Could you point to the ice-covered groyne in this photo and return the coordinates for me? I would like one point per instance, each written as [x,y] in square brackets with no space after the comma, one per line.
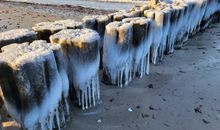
[141,43]
[120,15]
[17,36]
[46,29]
[117,53]
[171,25]
[33,84]
[35,77]
[80,49]
[97,23]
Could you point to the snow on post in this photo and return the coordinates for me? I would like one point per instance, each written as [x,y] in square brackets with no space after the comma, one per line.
[140,9]
[80,49]
[46,29]
[117,56]
[31,84]
[140,45]
[17,36]
[97,23]
[119,16]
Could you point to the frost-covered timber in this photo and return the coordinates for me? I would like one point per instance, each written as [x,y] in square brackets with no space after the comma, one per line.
[46,29]
[33,84]
[157,31]
[17,36]
[97,23]
[120,15]
[117,54]
[80,49]
[141,43]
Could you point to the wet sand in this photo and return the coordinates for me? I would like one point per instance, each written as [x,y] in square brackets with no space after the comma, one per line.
[181,93]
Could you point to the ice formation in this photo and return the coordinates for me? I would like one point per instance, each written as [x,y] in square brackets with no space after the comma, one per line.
[17,36]
[80,49]
[31,84]
[141,44]
[117,56]
[97,23]
[173,21]
[157,31]
[46,29]
[120,15]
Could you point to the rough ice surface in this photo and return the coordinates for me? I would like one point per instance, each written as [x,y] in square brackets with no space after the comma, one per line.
[97,23]
[17,36]
[120,15]
[46,29]
[141,44]
[117,54]
[31,84]
[157,17]
[80,49]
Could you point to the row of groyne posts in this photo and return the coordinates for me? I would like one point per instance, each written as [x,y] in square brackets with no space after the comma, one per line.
[42,67]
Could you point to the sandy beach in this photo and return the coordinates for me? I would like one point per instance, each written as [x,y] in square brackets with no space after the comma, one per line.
[25,15]
[181,92]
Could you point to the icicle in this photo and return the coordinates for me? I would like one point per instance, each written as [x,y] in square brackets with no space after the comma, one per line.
[57,119]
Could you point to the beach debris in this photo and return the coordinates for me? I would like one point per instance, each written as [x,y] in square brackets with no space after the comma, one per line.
[144,115]
[99,121]
[198,109]
[111,100]
[130,109]
[154,109]
[31,84]
[17,36]
[205,121]
[138,107]
[80,50]
[150,86]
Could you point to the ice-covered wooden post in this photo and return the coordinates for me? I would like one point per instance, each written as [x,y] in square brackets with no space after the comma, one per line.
[166,14]
[157,32]
[117,56]
[153,3]
[119,16]
[17,36]
[46,29]
[31,84]
[141,45]
[80,48]
[97,23]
